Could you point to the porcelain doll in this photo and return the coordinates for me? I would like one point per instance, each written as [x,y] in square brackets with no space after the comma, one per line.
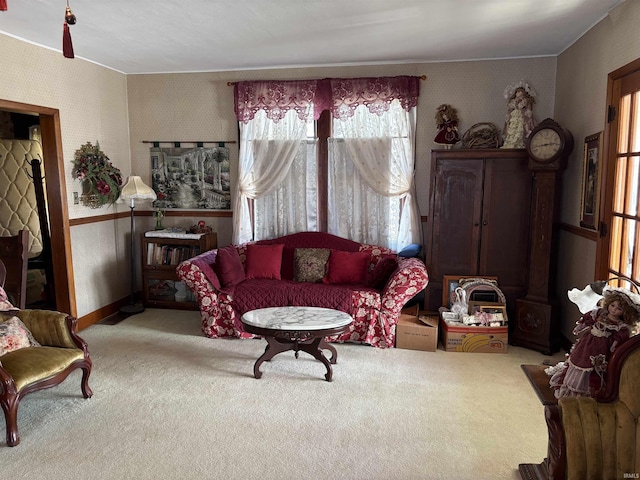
[519,120]
[599,333]
[447,124]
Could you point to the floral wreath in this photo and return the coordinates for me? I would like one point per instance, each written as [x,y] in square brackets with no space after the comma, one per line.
[522,84]
[92,167]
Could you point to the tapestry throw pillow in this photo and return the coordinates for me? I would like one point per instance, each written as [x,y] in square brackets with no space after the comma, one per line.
[382,271]
[15,335]
[264,261]
[347,267]
[228,267]
[310,264]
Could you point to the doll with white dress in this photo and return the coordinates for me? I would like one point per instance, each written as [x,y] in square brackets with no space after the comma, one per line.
[599,333]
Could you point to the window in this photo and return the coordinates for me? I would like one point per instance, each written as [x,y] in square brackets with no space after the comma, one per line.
[353,179]
[619,241]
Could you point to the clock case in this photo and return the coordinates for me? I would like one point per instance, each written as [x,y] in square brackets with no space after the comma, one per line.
[557,161]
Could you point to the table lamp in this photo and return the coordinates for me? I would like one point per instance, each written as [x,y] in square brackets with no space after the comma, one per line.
[134,189]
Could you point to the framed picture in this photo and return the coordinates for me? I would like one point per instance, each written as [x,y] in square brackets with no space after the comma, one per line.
[500,311]
[191,178]
[449,285]
[592,166]
[451,282]
[480,306]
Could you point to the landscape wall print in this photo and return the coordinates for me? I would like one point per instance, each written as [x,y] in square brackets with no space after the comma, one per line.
[191,178]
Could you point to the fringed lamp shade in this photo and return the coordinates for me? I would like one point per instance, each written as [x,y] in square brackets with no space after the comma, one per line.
[136,189]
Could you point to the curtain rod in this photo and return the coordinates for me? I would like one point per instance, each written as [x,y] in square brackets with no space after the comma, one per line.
[199,142]
[230,84]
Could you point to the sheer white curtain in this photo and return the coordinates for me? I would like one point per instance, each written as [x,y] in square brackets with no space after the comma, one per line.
[371,194]
[268,149]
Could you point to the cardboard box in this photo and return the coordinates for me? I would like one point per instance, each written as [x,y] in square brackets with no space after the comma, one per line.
[414,334]
[474,339]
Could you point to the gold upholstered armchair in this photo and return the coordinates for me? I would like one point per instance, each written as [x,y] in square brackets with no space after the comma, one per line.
[592,438]
[57,352]
[602,434]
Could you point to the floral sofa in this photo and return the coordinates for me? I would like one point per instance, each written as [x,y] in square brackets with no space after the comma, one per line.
[370,283]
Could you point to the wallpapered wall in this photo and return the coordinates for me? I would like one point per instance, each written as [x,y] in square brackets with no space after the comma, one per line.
[581,106]
[92,101]
[121,111]
[200,105]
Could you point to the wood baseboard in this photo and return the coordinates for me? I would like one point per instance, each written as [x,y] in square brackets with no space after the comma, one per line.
[104,312]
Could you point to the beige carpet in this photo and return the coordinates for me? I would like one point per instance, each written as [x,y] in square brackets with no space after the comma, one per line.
[170,403]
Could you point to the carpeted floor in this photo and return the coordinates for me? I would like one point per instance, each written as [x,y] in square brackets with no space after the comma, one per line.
[170,403]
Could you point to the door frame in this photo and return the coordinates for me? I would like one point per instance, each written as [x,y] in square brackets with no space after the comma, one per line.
[57,206]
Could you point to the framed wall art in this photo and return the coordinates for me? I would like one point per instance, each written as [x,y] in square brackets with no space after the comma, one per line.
[191,178]
[592,166]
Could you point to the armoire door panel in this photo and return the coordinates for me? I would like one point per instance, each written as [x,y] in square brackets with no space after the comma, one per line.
[504,245]
[456,218]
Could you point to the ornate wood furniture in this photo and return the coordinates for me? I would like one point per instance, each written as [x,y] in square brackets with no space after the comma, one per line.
[296,328]
[14,254]
[479,220]
[592,437]
[491,213]
[35,368]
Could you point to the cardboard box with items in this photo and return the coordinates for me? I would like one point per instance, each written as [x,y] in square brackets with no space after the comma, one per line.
[474,318]
[417,330]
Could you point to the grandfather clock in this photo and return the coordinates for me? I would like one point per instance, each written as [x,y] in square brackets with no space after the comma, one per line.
[537,323]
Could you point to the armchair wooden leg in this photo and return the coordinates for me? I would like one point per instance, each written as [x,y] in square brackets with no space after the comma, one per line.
[86,390]
[10,408]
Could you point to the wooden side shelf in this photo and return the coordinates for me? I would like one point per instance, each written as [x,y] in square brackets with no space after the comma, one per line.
[161,286]
[553,467]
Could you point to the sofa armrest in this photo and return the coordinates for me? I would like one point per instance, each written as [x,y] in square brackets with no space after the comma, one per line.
[409,279]
[52,329]
[197,274]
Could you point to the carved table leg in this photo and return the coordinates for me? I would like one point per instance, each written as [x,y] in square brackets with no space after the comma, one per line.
[324,345]
[313,348]
[274,347]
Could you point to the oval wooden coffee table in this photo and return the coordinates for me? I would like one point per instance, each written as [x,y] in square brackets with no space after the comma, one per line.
[298,329]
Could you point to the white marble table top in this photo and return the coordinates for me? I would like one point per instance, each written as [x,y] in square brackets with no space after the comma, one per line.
[296,318]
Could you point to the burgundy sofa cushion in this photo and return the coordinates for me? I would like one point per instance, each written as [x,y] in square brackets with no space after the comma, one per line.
[264,261]
[382,271]
[228,267]
[261,293]
[307,240]
[347,267]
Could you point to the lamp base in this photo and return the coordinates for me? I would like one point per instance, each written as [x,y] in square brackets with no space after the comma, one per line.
[132,309]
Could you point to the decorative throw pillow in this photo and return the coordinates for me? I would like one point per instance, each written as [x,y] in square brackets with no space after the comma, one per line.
[15,335]
[310,264]
[5,304]
[347,267]
[382,271]
[228,266]
[264,261]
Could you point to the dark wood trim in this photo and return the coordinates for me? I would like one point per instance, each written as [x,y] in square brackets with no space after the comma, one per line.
[579,231]
[147,213]
[323,133]
[104,312]
[56,200]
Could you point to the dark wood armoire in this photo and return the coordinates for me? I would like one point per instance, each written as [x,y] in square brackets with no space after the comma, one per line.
[482,222]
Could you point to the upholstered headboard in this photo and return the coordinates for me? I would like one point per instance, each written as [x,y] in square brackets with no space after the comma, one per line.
[18,206]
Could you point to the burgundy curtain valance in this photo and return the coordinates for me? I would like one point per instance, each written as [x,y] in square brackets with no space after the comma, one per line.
[339,95]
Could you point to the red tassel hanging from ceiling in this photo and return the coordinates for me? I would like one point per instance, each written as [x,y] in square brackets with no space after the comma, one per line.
[67,46]
[69,19]
[3,4]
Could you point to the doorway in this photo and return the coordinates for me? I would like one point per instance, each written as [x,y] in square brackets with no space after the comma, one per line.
[56,194]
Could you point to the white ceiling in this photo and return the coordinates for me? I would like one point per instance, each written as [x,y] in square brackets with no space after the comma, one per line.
[155,36]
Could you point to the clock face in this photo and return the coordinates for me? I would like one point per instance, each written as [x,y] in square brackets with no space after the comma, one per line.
[545,144]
